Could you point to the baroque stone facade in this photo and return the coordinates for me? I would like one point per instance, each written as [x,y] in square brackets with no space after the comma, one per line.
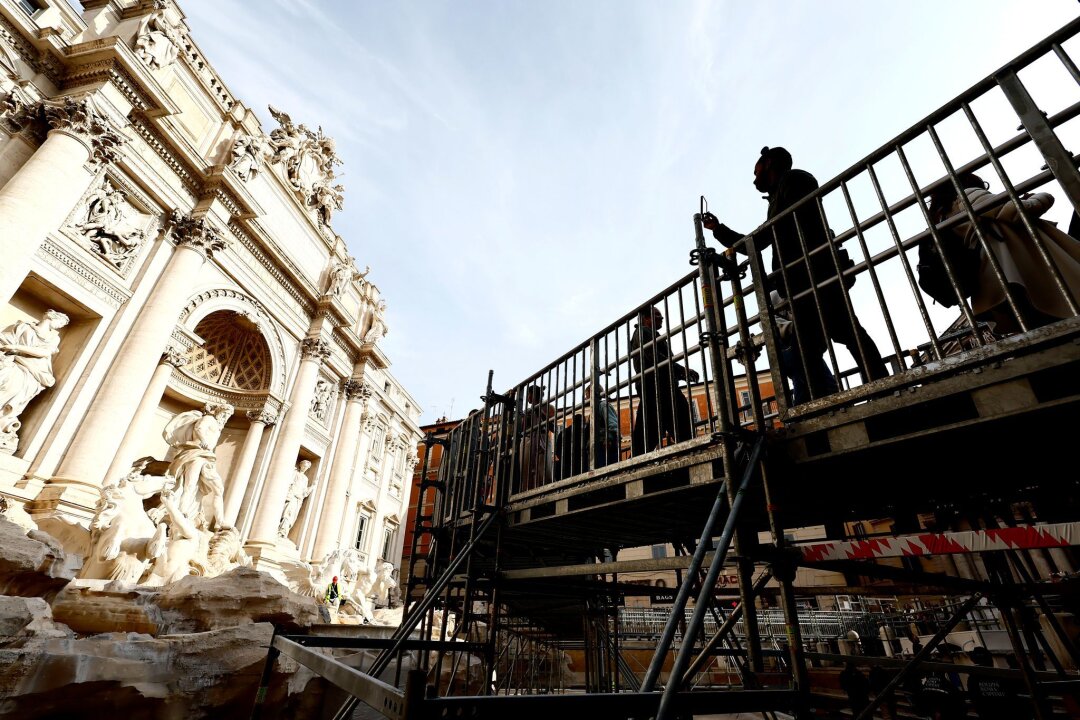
[215,394]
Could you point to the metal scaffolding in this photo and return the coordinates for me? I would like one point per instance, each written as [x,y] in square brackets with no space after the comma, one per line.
[678,423]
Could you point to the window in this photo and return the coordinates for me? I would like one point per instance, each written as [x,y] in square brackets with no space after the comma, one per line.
[399,463]
[388,542]
[377,444]
[744,402]
[30,7]
[362,523]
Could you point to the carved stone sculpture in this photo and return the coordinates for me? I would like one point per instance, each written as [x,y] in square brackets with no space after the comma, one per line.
[384,582]
[326,199]
[26,350]
[193,435]
[248,154]
[107,224]
[124,540]
[309,159]
[320,403]
[342,274]
[157,42]
[378,329]
[298,491]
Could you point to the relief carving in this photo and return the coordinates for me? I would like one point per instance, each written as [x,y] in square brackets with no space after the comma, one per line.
[110,225]
[309,159]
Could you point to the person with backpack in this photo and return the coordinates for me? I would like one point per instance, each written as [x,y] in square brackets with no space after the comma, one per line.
[1025,272]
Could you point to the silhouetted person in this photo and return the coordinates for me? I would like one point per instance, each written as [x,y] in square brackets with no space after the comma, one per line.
[995,698]
[857,687]
[1028,277]
[662,409]
[537,451]
[785,187]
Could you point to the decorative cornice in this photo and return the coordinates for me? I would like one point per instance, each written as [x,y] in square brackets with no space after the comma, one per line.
[60,256]
[81,118]
[197,233]
[302,299]
[189,177]
[314,347]
[42,62]
[109,70]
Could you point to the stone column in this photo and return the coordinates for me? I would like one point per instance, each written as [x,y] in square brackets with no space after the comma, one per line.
[37,199]
[95,444]
[327,535]
[136,431]
[245,463]
[280,475]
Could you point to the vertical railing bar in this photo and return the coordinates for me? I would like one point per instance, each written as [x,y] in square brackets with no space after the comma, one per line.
[912,282]
[871,269]
[1067,62]
[847,297]
[1058,159]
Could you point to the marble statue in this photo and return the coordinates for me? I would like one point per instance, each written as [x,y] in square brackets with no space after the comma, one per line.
[193,435]
[248,154]
[342,275]
[384,582]
[124,540]
[131,545]
[326,199]
[320,403]
[361,581]
[26,351]
[108,226]
[157,42]
[378,329]
[298,491]
[309,159]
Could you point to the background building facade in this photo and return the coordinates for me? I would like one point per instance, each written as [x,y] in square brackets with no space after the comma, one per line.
[192,254]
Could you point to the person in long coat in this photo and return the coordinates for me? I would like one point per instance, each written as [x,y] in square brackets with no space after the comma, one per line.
[1028,276]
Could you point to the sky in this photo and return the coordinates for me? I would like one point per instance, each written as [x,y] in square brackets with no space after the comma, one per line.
[520,173]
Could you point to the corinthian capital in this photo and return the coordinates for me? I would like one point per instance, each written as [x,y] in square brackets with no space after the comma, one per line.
[266,417]
[315,347]
[174,357]
[356,389]
[197,233]
[82,119]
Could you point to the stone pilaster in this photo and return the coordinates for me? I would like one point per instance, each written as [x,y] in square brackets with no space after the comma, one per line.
[136,431]
[37,199]
[271,504]
[245,463]
[326,538]
[94,446]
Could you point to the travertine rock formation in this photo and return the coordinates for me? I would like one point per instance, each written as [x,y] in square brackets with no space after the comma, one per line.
[32,564]
[201,675]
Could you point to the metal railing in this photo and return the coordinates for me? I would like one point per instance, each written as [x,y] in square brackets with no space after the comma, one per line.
[839,316]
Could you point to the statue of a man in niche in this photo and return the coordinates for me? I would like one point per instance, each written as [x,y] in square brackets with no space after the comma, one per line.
[26,351]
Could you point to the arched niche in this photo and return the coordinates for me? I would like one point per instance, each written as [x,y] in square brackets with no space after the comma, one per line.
[251,314]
